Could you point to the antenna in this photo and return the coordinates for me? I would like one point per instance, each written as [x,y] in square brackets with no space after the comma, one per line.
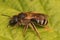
[5,15]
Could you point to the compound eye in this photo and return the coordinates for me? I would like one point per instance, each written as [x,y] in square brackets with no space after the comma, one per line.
[12,22]
[22,15]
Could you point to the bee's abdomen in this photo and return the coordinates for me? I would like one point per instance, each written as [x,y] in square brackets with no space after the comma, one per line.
[40,22]
[43,22]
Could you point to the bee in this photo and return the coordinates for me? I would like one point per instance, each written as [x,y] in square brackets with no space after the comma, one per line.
[28,19]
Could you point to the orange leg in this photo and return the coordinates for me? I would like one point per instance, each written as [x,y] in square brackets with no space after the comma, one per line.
[47,28]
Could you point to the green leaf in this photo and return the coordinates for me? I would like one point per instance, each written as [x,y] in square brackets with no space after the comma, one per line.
[13,7]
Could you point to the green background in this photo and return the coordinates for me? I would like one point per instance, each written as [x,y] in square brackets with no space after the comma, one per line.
[12,7]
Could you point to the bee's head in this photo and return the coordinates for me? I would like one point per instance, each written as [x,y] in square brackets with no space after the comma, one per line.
[13,21]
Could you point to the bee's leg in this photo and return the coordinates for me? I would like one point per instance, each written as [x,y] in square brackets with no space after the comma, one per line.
[25,29]
[34,29]
[47,28]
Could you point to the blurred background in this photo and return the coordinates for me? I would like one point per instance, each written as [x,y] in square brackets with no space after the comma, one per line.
[12,7]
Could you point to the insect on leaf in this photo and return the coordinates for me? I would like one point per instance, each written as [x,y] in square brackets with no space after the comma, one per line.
[13,7]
